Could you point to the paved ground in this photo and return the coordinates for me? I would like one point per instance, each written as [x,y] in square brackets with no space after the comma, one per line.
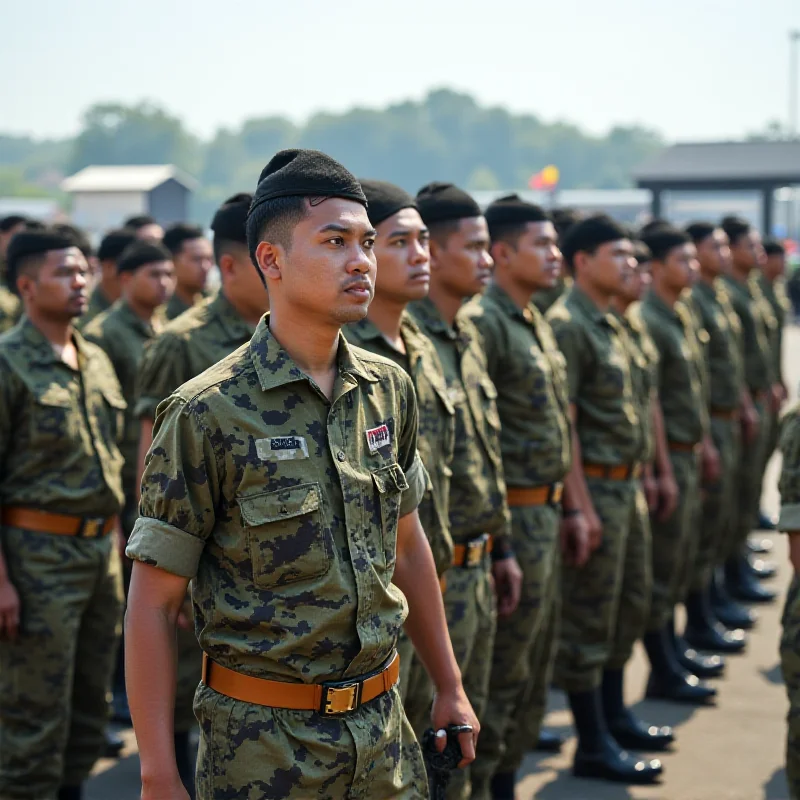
[731,752]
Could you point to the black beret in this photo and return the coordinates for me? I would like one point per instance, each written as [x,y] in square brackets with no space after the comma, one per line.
[441,202]
[305,173]
[29,243]
[230,221]
[513,210]
[114,243]
[385,199]
[589,234]
[141,253]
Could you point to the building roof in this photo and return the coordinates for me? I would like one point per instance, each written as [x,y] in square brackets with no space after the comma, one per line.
[720,162]
[133,178]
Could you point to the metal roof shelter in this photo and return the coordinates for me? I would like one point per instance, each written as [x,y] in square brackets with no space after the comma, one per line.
[719,166]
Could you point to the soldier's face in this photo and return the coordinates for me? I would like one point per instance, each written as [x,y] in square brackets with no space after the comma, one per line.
[681,266]
[713,252]
[329,271]
[243,286]
[150,233]
[151,285]
[536,260]
[747,251]
[193,264]
[775,266]
[637,282]
[462,264]
[58,288]
[608,268]
[402,250]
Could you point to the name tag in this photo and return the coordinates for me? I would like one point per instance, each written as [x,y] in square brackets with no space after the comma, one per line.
[282,448]
[378,438]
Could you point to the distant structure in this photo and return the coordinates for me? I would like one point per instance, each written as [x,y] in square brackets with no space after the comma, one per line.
[44,209]
[751,179]
[102,197]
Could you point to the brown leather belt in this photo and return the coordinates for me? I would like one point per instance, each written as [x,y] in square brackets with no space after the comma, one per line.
[330,699]
[538,496]
[683,447]
[725,413]
[613,472]
[471,554]
[62,524]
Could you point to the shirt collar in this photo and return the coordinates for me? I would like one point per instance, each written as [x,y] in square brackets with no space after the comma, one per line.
[655,302]
[586,305]
[234,326]
[429,318]
[41,350]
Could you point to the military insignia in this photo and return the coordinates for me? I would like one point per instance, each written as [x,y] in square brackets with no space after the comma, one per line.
[378,438]
[282,448]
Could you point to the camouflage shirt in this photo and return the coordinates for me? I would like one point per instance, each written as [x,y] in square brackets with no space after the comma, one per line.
[530,374]
[58,427]
[284,508]
[723,353]
[599,379]
[789,484]
[644,360]
[545,299]
[776,307]
[680,370]
[123,334]
[477,487]
[186,347]
[757,355]
[175,307]
[436,423]
[98,303]
[10,309]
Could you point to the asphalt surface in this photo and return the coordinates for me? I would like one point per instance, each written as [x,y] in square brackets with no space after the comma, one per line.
[733,751]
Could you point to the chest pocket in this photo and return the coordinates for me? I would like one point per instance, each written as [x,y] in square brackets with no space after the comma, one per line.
[112,413]
[390,483]
[489,397]
[54,418]
[285,535]
[609,377]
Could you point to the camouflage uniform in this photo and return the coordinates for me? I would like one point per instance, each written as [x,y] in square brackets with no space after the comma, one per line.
[725,368]
[609,431]
[758,379]
[530,374]
[435,444]
[790,640]
[98,304]
[58,431]
[123,335]
[175,306]
[477,500]
[292,549]
[10,309]
[545,299]
[186,347]
[683,404]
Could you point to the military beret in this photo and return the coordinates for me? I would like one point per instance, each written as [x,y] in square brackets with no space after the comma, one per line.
[589,234]
[141,253]
[230,221]
[114,243]
[442,202]
[513,210]
[28,243]
[385,199]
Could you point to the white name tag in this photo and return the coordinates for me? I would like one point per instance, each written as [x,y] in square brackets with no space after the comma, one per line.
[378,438]
[282,448]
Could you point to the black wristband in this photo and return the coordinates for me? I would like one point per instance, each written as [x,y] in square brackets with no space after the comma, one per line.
[571,512]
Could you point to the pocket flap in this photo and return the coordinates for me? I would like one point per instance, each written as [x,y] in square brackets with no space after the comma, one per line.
[267,507]
[113,397]
[390,479]
[489,388]
[54,395]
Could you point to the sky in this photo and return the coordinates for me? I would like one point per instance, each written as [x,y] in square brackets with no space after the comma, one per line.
[692,69]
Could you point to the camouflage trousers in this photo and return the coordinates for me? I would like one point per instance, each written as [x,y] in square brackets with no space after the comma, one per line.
[675,541]
[590,595]
[253,752]
[717,515]
[524,648]
[790,666]
[471,620]
[637,585]
[55,678]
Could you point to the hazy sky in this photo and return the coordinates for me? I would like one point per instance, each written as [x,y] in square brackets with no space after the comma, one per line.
[694,69]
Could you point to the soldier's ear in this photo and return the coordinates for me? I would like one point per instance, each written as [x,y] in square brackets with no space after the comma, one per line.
[271,259]
[499,253]
[434,253]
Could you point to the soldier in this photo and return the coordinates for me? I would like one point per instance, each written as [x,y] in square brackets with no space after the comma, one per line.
[186,347]
[60,491]
[731,414]
[108,289]
[286,485]
[527,368]
[145,227]
[600,488]
[479,519]
[193,258]
[563,219]
[748,303]
[789,522]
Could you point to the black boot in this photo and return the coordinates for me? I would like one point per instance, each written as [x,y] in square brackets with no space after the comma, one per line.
[668,679]
[759,568]
[71,792]
[549,742]
[704,666]
[185,760]
[622,722]
[502,786]
[730,613]
[598,755]
[742,585]
[705,632]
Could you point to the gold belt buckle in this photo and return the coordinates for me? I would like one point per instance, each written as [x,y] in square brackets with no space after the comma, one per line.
[91,527]
[556,493]
[340,699]
[475,551]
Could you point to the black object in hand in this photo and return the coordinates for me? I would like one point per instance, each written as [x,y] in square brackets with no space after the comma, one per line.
[440,765]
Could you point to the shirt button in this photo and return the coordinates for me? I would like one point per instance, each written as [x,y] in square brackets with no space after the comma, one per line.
[341,456]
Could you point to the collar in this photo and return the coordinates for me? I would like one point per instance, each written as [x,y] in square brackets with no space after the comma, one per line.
[234,326]
[500,297]
[586,305]
[133,319]
[40,349]
[656,303]
[429,318]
